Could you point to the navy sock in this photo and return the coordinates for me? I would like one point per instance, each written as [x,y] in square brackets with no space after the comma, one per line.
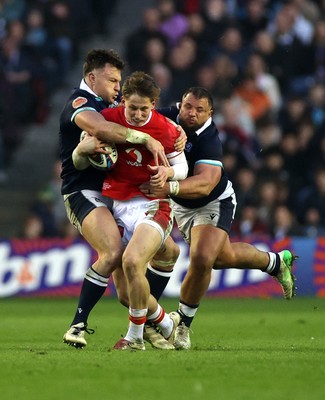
[89,296]
[158,281]
[190,310]
[276,268]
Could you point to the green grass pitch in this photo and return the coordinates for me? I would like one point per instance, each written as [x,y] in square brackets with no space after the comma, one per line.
[242,349]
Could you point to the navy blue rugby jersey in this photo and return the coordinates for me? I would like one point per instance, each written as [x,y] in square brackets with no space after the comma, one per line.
[69,136]
[205,146]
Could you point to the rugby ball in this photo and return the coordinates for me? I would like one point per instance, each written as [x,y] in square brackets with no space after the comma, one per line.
[103,162]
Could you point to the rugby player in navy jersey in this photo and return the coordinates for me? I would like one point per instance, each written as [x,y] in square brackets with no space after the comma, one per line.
[204,205]
[87,209]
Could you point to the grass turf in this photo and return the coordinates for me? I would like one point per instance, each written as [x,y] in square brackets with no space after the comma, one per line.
[241,349]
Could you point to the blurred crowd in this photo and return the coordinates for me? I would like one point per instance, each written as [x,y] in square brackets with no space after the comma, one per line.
[264,63]
[39,43]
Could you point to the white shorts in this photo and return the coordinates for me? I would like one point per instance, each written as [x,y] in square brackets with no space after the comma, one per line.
[130,213]
[219,213]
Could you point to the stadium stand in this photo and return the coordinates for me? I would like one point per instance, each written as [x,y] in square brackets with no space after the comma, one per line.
[24,177]
[262,60]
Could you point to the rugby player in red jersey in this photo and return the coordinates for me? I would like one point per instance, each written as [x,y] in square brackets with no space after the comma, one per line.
[144,223]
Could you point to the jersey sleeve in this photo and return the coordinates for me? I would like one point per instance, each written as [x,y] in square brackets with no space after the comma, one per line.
[210,149]
[81,103]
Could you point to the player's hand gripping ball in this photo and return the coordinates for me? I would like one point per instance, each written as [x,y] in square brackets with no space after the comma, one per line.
[101,161]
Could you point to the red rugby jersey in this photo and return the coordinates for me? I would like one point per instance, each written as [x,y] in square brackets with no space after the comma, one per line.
[130,170]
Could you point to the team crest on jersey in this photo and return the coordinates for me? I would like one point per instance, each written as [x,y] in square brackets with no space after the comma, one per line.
[79,101]
[136,157]
[188,146]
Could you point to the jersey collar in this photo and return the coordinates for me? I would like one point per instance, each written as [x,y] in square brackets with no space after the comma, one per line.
[83,86]
[207,123]
[203,127]
[145,123]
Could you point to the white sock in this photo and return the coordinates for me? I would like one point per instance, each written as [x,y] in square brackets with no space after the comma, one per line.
[163,320]
[137,318]
[186,310]
[271,264]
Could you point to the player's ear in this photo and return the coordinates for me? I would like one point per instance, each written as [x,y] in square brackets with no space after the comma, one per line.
[122,102]
[91,77]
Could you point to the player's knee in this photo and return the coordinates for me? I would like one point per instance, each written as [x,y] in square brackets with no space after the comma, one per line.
[131,264]
[109,261]
[202,262]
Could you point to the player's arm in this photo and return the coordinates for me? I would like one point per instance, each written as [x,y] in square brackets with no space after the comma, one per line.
[80,159]
[205,178]
[178,166]
[177,171]
[87,146]
[96,125]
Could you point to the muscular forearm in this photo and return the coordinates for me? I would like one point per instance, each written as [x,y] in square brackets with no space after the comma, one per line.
[183,189]
[201,183]
[80,161]
[193,188]
[96,125]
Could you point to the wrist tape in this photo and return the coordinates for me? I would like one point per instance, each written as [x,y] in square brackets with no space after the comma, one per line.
[136,137]
[173,188]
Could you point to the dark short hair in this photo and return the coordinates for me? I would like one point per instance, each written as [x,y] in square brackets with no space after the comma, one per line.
[199,93]
[142,84]
[98,58]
